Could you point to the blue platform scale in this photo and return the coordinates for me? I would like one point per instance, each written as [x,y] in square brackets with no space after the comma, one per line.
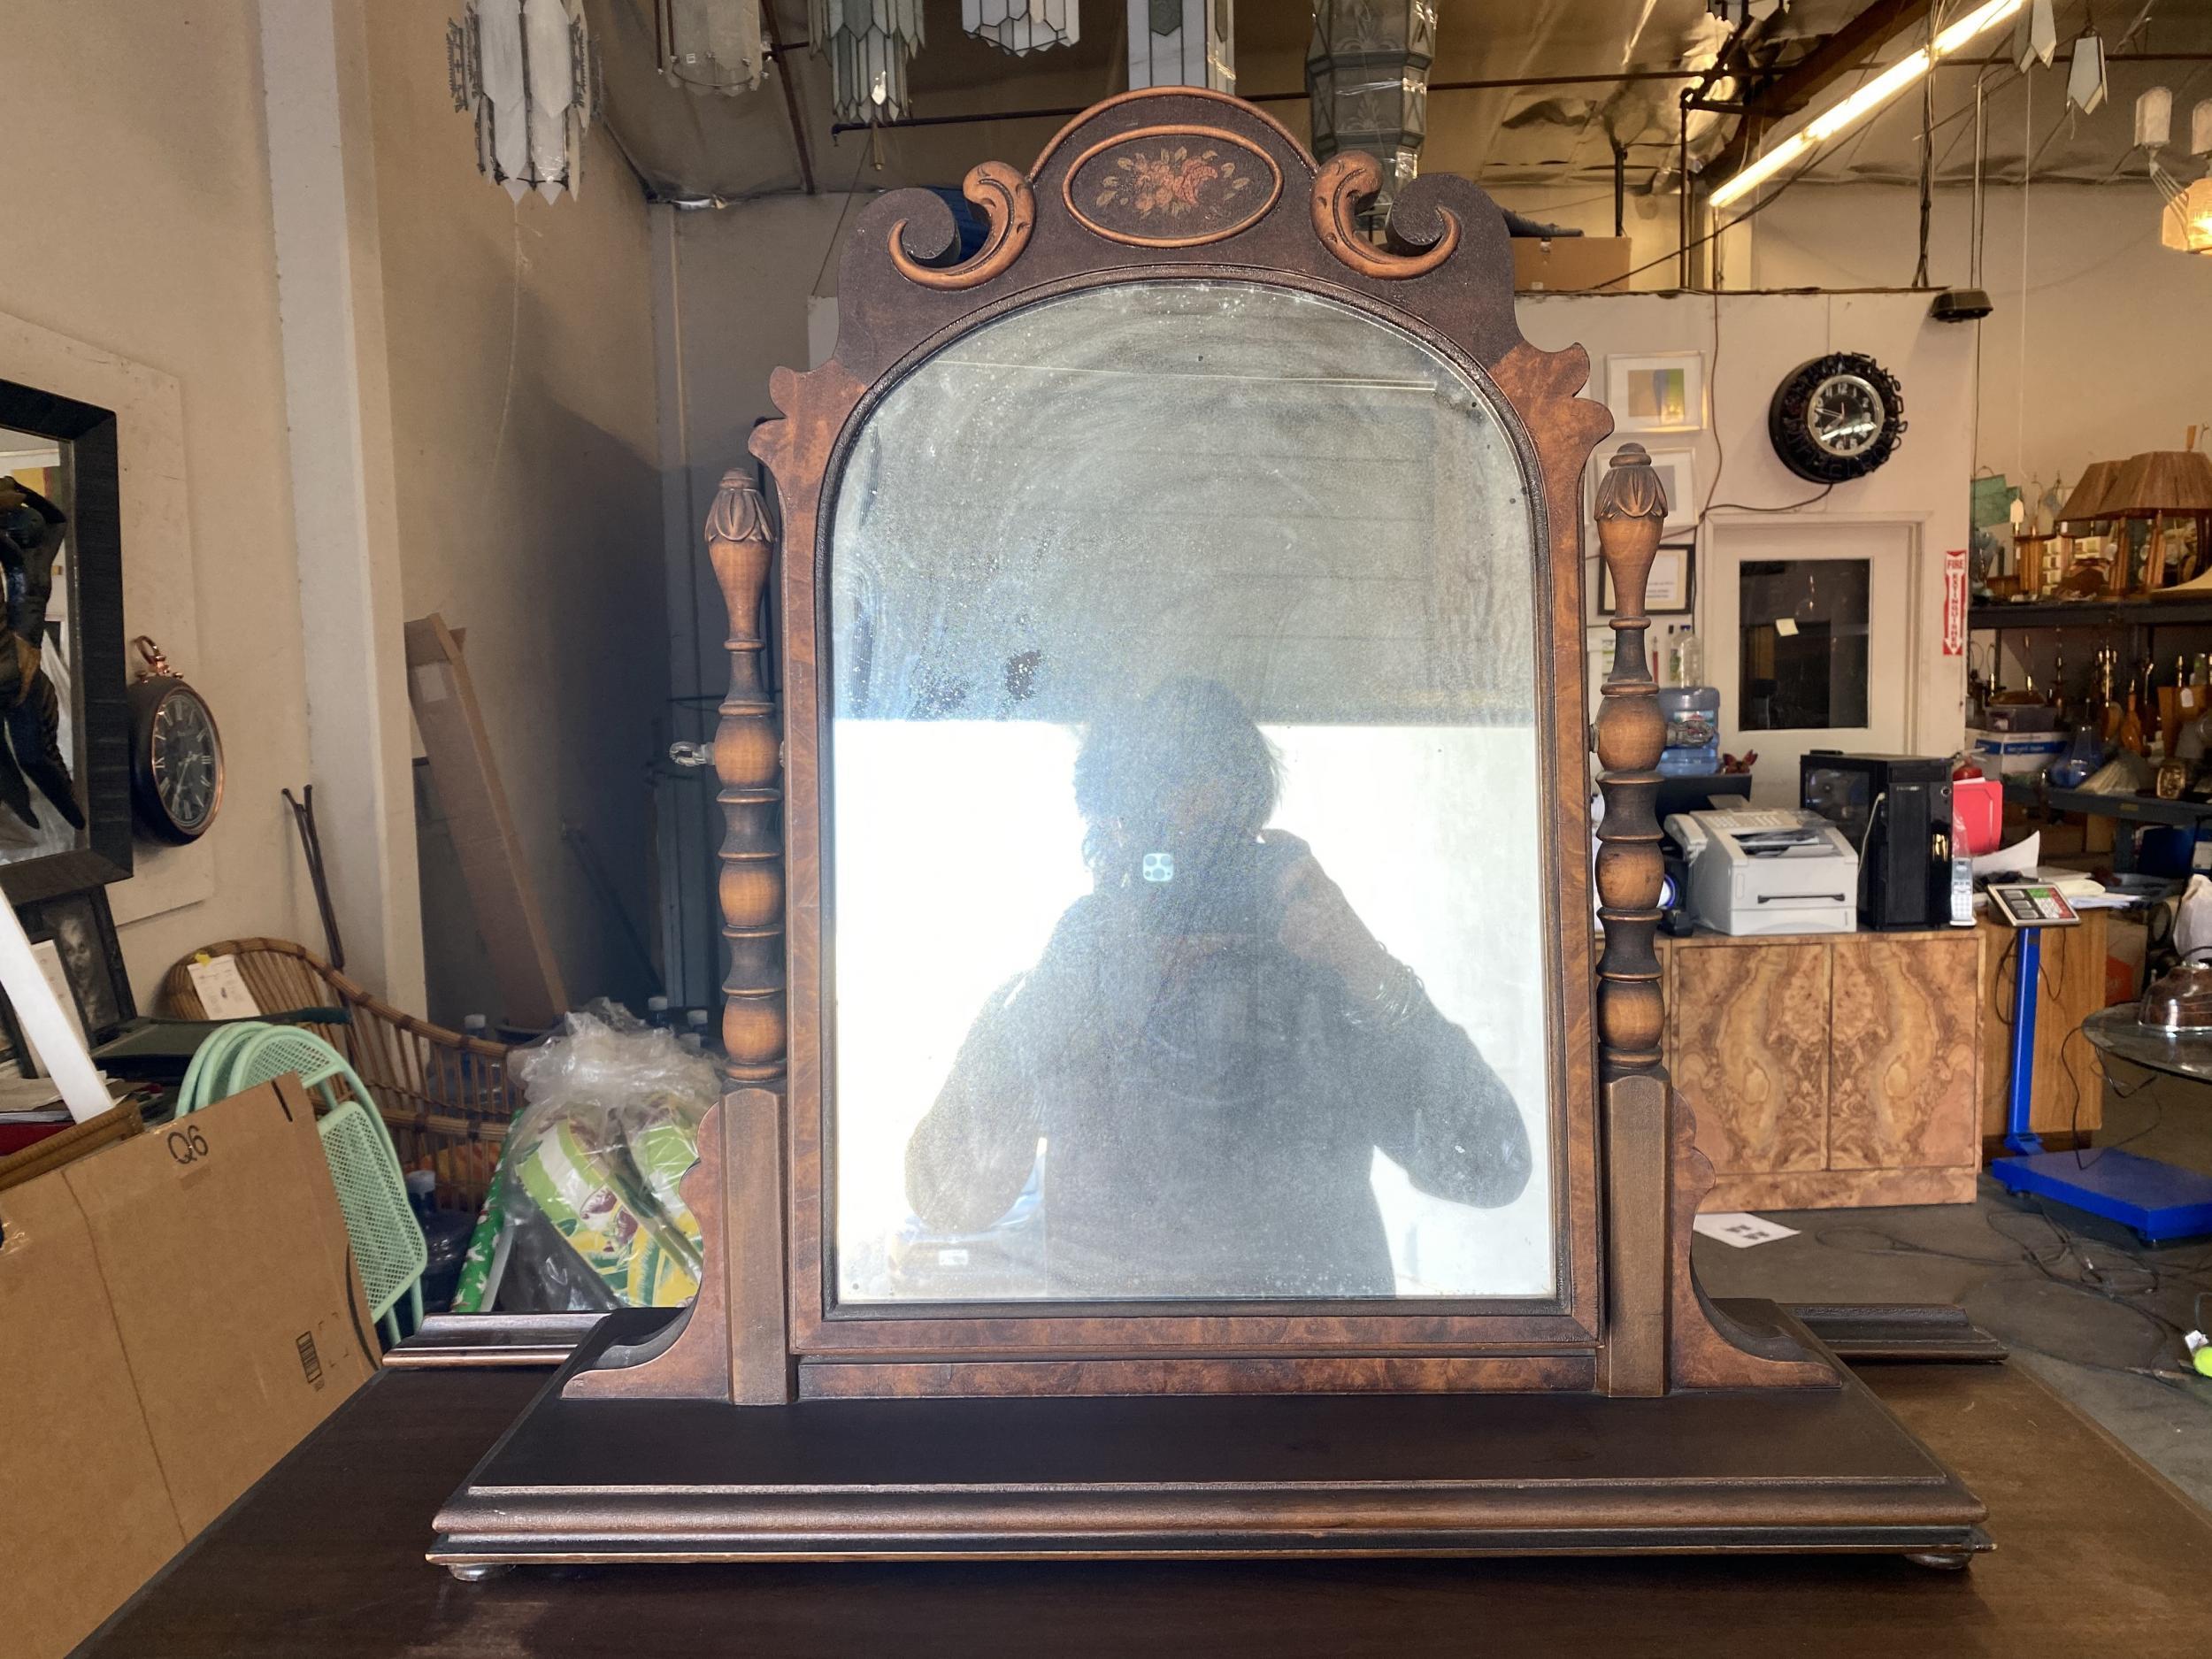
[2158,1200]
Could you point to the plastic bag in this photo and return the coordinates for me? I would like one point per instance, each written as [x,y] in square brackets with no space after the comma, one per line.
[2192,919]
[610,1127]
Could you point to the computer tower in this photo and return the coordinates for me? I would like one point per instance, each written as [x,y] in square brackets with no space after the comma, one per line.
[1896,810]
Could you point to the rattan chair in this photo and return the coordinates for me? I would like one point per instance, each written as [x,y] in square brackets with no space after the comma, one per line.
[444,1097]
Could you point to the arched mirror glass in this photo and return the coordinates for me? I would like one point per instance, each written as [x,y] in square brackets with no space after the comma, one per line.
[1183,851]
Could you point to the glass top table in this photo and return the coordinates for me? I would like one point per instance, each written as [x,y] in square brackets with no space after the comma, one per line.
[2117,1031]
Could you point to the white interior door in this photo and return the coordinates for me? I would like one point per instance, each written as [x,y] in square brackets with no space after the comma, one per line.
[1809,636]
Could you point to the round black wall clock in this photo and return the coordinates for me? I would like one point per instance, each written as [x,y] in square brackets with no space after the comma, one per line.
[176,754]
[1837,418]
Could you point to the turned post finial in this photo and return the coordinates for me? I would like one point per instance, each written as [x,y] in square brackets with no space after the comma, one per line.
[741,541]
[1628,733]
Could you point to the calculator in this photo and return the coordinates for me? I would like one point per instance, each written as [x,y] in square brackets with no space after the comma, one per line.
[2031,905]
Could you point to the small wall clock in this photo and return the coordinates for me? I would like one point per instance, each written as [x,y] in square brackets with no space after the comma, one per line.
[1837,418]
[176,753]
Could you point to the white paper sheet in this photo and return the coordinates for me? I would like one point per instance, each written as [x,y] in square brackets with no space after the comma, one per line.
[1733,1226]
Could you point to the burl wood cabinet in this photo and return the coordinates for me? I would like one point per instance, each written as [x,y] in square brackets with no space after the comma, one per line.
[1830,1071]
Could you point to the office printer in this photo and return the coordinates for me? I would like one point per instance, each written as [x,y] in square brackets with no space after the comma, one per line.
[1769,871]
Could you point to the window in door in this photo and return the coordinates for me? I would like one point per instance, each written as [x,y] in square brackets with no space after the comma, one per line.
[1803,643]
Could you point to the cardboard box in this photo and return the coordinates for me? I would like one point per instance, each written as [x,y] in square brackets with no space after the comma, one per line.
[2016,754]
[177,1311]
[1566,265]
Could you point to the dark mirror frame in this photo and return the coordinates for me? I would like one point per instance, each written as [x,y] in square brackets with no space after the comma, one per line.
[1288,1325]
[96,561]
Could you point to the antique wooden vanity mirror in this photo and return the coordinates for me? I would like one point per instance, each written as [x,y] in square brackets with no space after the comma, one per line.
[1205,1128]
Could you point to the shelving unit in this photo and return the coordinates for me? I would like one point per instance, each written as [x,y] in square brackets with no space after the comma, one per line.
[2129,812]
[2149,614]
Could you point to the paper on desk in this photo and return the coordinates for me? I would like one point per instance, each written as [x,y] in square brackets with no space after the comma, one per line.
[2019,859]
[1740,1230]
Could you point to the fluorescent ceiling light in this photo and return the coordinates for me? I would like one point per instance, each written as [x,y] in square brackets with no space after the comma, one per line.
[1834,122]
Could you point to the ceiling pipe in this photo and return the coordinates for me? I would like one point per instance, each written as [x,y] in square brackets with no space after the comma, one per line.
[785,78]
[1506,84]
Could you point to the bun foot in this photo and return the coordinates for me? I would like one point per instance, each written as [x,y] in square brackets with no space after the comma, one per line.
[1941,1560]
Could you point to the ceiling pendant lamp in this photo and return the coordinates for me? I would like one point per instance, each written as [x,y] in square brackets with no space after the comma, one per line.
[2185,222]
[710,45]
[528,73]
[1022,26]
[1182,43]
[1367,74]
[2086,81]
[2186,225]
[869,43]
[2035,35]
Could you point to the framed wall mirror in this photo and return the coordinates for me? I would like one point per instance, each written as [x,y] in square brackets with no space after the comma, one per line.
[65,779]
[1177,1102]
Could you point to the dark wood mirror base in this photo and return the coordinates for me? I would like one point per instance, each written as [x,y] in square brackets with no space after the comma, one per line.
[1758,1471]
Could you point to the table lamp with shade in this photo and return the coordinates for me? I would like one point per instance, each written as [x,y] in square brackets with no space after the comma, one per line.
[2167,489]
[2085,519]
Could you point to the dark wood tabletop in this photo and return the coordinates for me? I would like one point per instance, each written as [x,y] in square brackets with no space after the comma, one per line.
[2096,1554]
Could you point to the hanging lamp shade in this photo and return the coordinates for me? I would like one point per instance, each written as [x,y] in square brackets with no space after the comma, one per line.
[2088,501]
[2086,82]
[710,45]
[1182,43]
[528,72]
[2161,481]
[869,43]
[2034,35]
[1021,27]
[1367,74]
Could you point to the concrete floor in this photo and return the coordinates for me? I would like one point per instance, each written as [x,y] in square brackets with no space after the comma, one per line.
[2081,1301]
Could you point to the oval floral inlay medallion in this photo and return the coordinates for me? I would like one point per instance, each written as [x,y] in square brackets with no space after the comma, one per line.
[1172,187]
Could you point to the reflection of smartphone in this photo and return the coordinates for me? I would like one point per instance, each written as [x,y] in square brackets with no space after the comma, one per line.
[1228,889]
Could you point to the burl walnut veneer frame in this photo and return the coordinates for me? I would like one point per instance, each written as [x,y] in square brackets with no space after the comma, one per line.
[1627,1412]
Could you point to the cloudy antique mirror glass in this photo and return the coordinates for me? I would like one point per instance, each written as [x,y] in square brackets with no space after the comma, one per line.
[1185,831]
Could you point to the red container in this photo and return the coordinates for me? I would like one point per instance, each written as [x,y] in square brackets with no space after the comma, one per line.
[1978,815]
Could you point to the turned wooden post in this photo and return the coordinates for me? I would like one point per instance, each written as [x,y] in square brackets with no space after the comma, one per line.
[747,760]
[1631,506]
[732,1344]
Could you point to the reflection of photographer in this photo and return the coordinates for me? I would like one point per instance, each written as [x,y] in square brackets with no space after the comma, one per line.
[1212,1046]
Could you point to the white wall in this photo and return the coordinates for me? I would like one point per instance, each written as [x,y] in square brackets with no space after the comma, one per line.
[134,139]
[1750,342]
[525,456]
[2107,356]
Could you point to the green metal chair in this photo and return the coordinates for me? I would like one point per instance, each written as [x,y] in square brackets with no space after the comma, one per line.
[387,1239]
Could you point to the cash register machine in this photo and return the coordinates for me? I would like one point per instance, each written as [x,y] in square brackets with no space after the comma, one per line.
[1768,871]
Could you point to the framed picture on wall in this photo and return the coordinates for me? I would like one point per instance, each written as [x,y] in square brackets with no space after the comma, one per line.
[64,714]
[1678,475]
[1671,588]
[1664,392]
